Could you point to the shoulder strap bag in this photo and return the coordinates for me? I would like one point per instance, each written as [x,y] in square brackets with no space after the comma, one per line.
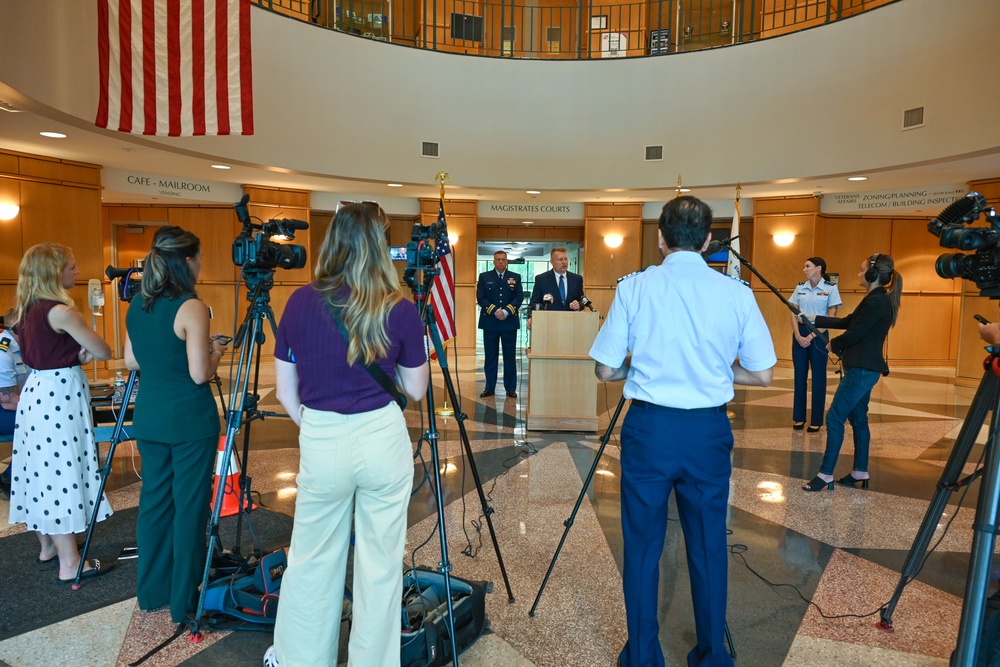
[373,369]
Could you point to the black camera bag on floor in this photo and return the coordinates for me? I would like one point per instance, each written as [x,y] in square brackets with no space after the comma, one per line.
[425,641]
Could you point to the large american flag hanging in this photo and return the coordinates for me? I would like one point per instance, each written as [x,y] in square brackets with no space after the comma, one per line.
[443,286]
[175,68]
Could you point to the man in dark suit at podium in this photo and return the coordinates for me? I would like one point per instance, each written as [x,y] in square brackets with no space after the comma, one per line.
[499,295]
[557,288]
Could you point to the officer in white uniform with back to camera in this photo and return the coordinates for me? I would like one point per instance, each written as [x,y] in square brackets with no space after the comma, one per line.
[685,325]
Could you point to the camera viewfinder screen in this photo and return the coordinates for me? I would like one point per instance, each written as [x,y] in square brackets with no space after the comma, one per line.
[397,253]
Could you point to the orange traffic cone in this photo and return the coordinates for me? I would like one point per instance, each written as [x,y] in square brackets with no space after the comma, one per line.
[231,496]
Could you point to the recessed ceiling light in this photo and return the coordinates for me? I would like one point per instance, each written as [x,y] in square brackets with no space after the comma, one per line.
[683,189]
[857,178]
[53,135]
[527,222]
[221,166]
[395,185]
[534,192]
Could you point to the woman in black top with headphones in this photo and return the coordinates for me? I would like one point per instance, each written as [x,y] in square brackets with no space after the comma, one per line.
[860,349]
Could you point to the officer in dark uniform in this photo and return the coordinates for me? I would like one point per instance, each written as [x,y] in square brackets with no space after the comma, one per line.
[499,295]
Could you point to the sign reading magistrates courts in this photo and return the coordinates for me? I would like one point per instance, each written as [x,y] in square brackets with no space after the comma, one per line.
[934,197]
[531,210]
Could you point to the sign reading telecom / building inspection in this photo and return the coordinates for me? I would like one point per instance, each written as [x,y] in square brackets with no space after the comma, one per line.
[934,197]
[172,187]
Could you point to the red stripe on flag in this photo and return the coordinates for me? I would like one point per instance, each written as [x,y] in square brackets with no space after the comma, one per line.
[246,69]
[125,64]
[148,67]
[198,66]
[173,68]
[104,62]
[222,64]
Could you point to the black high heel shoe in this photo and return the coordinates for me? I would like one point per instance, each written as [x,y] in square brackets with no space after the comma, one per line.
[817,484]
[852,481]
[813,429]
[798,426]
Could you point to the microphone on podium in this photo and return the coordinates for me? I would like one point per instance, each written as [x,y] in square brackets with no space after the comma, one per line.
[547,301]
[585,302]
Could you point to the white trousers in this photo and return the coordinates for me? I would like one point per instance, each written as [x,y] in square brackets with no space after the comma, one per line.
[349,463]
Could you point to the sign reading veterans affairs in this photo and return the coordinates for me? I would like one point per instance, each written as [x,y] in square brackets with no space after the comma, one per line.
[530,211]
[934,197]
[174,187]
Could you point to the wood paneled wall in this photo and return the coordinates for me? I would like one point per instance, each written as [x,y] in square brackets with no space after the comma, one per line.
[60,201]
[606,265]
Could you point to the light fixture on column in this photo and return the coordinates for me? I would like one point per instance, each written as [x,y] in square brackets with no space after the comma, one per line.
[9,211]
[452,238]
[613,240]
[784,239]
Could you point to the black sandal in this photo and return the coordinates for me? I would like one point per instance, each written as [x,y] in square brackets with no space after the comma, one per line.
[817,484]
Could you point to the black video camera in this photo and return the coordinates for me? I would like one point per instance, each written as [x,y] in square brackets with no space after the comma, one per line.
[420,255]
[128,286]
[982,267]
[258,251]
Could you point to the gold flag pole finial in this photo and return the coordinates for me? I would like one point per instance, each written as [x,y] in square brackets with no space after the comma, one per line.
[441,177]
[739,187]
[679,183]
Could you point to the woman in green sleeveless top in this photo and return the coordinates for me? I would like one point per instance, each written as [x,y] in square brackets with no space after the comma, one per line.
[176,422]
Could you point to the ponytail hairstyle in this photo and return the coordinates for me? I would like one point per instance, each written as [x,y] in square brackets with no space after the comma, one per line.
[166,272]
[882,271]
[356,277]
[39,276]
[821,263]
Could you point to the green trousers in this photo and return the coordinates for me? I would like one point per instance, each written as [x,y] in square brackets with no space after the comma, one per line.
[170,531]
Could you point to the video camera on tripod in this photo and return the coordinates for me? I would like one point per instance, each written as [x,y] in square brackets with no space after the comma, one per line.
[422,256]
[131,280]
[258,251]
[983,267]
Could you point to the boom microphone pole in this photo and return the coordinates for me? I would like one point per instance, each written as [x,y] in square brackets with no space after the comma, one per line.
[811,326]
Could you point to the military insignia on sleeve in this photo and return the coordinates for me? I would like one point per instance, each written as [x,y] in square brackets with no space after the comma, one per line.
[634,273]
[4,344]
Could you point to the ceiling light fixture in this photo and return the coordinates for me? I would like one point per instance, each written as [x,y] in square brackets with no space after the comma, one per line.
[53,135]
[395,185]
[221,166]
[857,178]
[527,222]
[534,192]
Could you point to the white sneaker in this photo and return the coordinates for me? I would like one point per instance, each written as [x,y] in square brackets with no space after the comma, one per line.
[270,657]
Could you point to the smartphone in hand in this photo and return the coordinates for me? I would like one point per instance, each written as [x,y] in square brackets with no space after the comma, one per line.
[981,319]
[224,340]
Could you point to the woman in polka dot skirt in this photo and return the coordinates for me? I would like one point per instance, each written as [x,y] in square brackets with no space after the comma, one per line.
[55,473]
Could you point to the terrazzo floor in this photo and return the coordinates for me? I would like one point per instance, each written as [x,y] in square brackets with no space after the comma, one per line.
[842,550]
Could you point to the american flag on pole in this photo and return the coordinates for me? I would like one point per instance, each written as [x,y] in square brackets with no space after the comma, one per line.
[443,286]
[733,268]
[175,68]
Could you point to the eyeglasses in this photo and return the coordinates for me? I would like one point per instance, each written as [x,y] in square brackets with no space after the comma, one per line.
[373,204]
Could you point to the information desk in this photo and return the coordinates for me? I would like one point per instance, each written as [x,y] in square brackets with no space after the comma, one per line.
[562,387]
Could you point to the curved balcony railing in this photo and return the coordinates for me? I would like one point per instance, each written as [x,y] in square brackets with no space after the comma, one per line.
[572,29]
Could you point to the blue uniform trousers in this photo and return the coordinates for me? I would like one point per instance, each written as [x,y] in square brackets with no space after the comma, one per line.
[850,403]
[688,452]
[491,352]
[805,360]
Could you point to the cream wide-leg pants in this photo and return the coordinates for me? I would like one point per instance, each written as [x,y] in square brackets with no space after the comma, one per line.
[363,464]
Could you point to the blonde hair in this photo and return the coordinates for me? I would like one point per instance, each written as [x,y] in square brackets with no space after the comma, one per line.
[40,276]
[355,256]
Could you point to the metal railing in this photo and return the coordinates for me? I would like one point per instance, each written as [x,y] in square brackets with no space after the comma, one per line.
[572,29]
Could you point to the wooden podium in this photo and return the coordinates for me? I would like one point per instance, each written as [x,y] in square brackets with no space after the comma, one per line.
[562,387]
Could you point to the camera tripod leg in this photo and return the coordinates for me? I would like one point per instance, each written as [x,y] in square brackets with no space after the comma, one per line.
[579,501]
[987,399]
[116,436]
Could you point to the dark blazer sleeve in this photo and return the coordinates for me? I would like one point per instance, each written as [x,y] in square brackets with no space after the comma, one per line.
[540,289]
[574,291]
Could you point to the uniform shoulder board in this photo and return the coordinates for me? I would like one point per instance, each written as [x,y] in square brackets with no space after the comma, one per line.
[4,344]
[634,273]
[739,280]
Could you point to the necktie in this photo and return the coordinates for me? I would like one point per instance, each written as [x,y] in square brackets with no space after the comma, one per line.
[562,288]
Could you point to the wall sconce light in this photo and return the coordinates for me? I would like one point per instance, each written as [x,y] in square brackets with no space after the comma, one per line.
[687,32]
[9,211]
[613,240]
[453,238]
[784,239]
